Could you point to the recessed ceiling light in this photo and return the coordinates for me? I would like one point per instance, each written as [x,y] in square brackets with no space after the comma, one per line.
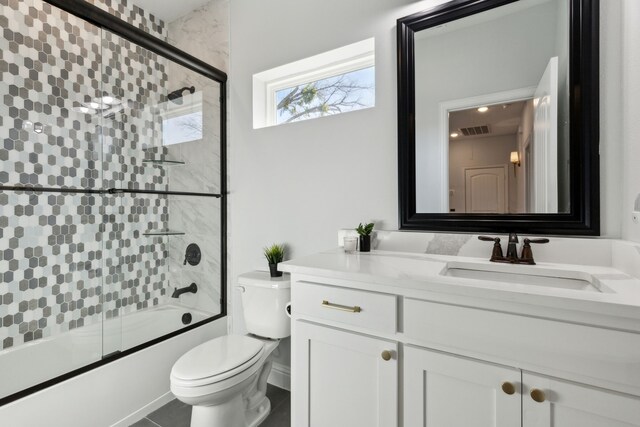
[454,135]
[483,109]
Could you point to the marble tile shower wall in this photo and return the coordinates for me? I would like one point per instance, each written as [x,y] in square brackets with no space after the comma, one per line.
[204,34]
[62,253]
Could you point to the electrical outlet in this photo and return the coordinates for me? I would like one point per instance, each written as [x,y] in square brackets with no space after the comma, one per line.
[636,217]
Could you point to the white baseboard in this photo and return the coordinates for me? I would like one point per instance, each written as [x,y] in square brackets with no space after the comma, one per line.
[280,376]
[145,410]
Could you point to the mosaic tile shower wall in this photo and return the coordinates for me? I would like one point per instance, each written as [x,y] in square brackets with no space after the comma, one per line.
[135,273]
[62,253]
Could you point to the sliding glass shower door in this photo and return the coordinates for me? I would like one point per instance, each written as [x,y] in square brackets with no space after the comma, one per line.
[111,213]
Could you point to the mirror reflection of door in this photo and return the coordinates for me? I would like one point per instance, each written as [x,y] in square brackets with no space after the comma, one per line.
[485,190]
[483,140]
[511,62]
[512,132]
[528,175]
[545,135]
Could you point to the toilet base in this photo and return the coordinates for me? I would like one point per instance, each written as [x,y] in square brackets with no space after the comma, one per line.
[230,414]
[243,404]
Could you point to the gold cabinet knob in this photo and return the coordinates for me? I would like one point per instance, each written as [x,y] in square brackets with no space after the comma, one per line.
[538,395]
[508,388]
[386,355]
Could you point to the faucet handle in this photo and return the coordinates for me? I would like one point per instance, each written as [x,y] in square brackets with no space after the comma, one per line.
[526,241]
[496,254]
[527,253]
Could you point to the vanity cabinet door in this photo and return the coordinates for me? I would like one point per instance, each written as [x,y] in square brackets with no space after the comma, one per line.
[549,402]
[343,379]
[446,390]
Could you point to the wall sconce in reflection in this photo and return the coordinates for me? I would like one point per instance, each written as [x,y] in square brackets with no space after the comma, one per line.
[515,159]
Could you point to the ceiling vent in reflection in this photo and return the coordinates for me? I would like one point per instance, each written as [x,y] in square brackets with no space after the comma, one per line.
[476,130]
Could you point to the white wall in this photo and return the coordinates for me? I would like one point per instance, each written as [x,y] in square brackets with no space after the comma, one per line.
[301,182]
[611,140]
[631,111]
[460,64]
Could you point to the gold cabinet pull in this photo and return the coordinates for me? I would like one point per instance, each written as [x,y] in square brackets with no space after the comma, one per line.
[538,395]
[508,388]
[354,309]
[386,355]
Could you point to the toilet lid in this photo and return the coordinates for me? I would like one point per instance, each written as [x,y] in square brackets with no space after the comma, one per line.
[217,356]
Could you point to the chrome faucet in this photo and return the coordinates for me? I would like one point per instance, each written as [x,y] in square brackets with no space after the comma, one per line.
[512,249]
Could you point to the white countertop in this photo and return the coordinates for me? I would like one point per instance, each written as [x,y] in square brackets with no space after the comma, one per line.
[417,275]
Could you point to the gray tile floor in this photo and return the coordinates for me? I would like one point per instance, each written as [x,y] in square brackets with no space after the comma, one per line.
[177,414]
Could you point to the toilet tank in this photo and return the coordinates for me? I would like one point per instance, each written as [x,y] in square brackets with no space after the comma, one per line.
[264,301]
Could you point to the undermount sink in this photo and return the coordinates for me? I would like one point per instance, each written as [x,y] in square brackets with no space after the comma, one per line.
[526,275]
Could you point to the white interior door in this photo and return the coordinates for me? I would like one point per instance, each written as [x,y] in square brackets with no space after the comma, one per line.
[485,190]
[442,390]
[573,405]
[528,174]
[545,141]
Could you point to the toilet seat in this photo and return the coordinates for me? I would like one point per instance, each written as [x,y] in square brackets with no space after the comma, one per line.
[217,360]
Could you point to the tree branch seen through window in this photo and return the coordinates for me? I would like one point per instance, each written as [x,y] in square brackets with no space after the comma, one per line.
[333,95]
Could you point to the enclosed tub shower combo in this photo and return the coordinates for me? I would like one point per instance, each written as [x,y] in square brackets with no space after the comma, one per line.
[112,189]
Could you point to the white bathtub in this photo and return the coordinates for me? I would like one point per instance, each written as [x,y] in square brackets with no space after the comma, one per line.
[38,361]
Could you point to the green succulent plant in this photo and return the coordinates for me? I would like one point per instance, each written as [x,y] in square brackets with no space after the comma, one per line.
[365,230]
[274,253]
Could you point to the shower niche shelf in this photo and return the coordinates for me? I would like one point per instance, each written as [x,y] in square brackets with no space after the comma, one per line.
[163,233]
[163,162]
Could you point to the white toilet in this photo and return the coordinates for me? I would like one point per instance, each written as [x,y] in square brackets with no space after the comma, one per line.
[225,379]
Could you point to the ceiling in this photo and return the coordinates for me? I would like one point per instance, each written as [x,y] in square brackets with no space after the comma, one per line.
[502,119]
[169,10]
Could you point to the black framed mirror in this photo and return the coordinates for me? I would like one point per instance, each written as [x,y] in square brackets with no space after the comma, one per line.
[498,117]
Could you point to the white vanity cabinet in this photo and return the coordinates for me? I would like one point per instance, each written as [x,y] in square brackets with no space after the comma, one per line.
[561,403]
[373,358]
[343,378]
[449,391]
[445,390]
